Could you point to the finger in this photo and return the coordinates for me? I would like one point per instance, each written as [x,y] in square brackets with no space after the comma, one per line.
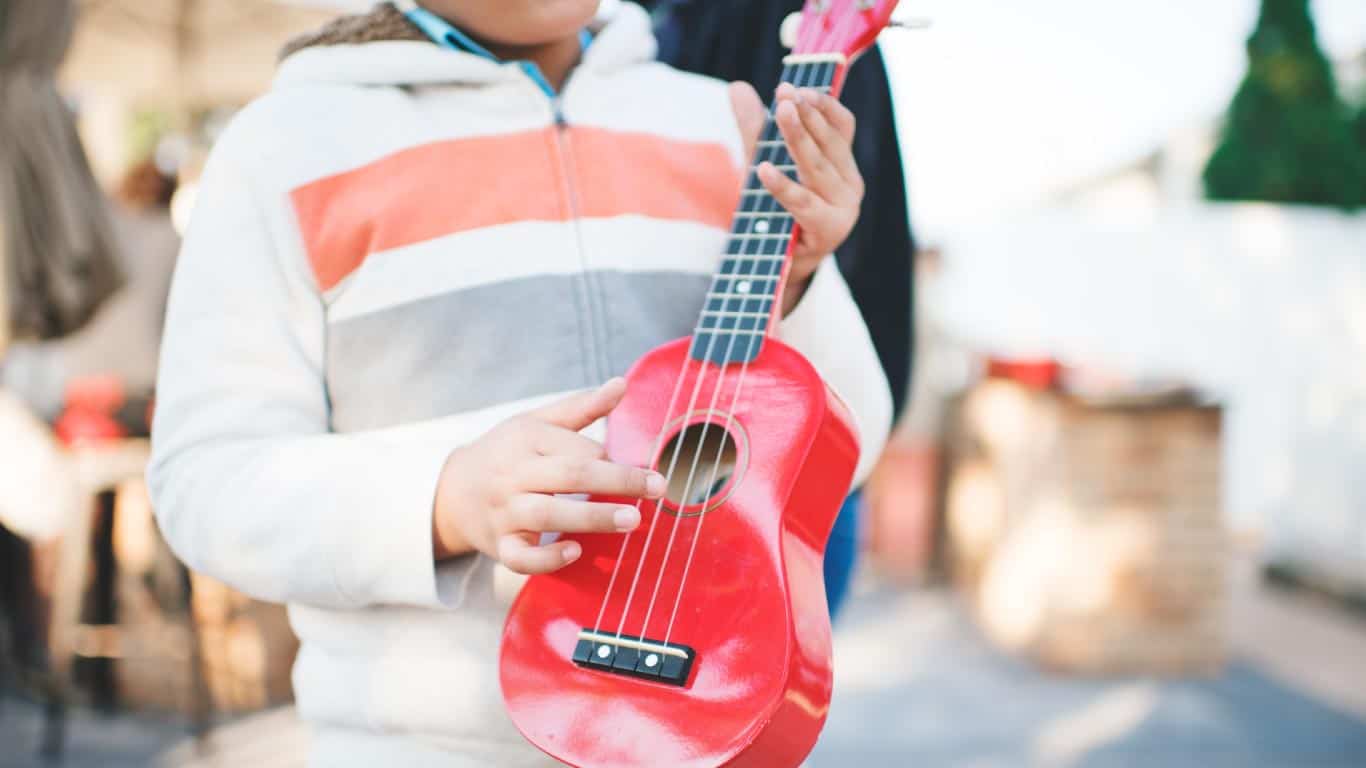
[804,205]
[518,551]
[552,440]
[816,170]
[558,474]
[832,126]
[749,115]
[840,117]
[542,513]
[578,411]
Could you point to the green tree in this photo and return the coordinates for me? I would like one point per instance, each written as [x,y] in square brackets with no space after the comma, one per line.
[1361,150]
[1288,136]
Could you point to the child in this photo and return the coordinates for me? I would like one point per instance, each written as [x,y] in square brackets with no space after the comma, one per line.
[412,268]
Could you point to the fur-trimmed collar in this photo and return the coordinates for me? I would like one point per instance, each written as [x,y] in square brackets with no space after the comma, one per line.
[384,22]
[382,48]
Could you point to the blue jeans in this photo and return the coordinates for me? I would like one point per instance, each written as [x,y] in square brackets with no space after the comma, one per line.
[841,552]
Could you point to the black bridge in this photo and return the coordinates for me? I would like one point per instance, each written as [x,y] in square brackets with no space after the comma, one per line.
[634,657]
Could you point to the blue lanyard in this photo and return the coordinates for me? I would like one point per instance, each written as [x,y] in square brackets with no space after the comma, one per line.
[446,35]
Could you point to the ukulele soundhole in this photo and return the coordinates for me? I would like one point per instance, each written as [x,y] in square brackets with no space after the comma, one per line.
[706,470]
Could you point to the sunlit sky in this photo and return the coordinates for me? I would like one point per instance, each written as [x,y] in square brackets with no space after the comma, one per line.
[1000,103]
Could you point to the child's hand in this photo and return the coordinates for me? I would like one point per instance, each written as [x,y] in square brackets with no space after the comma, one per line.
[819,132]
[497,494]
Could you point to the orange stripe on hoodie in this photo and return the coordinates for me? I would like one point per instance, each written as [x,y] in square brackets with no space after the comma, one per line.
[448,187]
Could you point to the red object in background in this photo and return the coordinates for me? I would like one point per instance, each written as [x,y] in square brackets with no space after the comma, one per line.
[901,498]
[90,416]
[1035,374]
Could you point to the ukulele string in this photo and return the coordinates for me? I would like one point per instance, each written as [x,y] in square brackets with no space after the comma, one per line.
[668,475]
[801,71]
[654,451]
[730,412]
[711,410]
[678,447]
[767,204]
[735,400]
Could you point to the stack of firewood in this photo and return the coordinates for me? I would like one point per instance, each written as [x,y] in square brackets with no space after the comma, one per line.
[1088,535]
[228,652]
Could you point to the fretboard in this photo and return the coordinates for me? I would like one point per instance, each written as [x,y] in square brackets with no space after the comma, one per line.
[741,305]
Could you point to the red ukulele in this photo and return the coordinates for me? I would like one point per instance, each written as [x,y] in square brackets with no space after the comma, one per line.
[703,638]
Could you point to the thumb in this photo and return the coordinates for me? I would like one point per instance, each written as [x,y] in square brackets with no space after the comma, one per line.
[578,411]
[750,115]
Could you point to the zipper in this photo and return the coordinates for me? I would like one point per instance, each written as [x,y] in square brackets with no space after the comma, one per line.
[593,309]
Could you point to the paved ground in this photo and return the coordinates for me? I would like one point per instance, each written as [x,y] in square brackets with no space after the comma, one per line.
[918,687]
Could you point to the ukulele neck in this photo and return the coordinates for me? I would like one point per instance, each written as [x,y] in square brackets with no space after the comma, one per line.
[742,305]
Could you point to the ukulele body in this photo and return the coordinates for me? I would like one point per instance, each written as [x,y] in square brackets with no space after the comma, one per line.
[752,612]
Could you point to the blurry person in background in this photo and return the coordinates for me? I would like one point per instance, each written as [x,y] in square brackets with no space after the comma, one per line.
[739,40]
[57,267]
[58,246]
[123,339]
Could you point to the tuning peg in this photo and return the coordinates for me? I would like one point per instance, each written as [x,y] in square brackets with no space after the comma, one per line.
[790,29]
[914,22]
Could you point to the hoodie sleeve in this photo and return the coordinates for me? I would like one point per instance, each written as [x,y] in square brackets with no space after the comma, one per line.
[826,327]
[249,485]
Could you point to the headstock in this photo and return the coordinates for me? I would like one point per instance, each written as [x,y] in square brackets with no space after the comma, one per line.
[845,27]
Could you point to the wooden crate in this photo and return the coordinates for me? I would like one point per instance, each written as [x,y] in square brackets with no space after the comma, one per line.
[1089,536]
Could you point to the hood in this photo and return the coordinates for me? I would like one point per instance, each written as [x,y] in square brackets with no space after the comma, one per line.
[383,48]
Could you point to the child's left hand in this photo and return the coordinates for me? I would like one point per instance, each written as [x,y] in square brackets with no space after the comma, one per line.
[819,132]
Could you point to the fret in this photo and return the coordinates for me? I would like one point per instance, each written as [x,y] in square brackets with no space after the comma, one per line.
[763,263]
[729,313]
[752,293]
[758,263]
[732,296]
[716,323]
[762,222]
[749,305]
[765,267]
[732,331]
[761,205]
[763,260]
[780,236]
[744,284]
[758,214]
[741,295]
[741,305]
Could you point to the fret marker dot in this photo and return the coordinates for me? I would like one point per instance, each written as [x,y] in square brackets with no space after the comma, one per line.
[604,651]
[651,660]
[761,226]
[744,286]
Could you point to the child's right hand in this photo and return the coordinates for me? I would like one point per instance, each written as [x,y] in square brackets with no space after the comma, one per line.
[497,495]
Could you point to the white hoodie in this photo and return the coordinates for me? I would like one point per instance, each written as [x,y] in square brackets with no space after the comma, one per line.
[396,249]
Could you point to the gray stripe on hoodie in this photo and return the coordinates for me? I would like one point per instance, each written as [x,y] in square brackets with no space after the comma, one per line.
[458,352]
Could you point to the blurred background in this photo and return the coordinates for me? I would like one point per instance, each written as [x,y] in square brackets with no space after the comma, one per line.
[1122,520]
